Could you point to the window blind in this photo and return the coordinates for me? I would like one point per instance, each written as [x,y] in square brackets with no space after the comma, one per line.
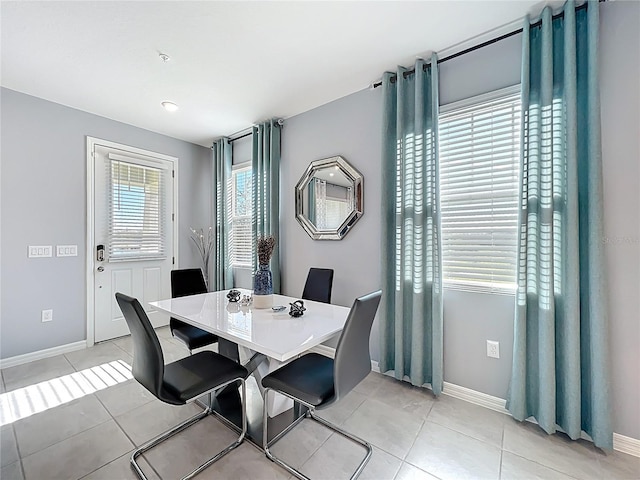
[479,172]
[241,206]
[136,211]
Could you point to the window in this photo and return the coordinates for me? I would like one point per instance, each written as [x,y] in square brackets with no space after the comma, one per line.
[333,202]
[479,171]
[136,207]
[241,209]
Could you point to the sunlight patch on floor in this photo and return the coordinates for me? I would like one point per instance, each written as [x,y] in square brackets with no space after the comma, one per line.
[32,399]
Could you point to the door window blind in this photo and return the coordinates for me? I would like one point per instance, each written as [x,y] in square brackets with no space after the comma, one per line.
[479,172]
[241,205]
[136,211]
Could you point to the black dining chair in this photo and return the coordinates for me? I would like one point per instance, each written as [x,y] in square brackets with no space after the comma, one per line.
[317,382]
[179,382]
[318,285]
[189,281]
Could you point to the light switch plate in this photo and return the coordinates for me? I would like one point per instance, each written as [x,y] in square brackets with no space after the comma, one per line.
[66,250]
[40,251]
[47,315]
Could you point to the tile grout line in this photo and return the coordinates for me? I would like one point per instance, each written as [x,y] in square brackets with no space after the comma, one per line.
[319,447]
[466,434]
[15,439]
[424,422]
[541,464]
[64,440]
[118,425]
[501,454]
[102,466]
[120,348]
[341,425]
[135,446]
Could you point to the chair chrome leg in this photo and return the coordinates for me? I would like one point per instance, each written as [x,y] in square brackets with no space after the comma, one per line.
[186,424]
[351,437]
[230,447]
[310,414]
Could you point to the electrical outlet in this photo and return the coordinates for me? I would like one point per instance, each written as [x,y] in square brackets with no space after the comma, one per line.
[47,315]
[493,349]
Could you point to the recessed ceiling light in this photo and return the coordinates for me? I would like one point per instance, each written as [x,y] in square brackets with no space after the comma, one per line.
[164,57]
[170,106]
[331,174]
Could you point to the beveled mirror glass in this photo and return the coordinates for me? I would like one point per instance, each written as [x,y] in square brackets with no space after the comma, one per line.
[329,198]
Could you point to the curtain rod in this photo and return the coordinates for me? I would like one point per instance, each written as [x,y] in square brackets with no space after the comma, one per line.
[249,131]
[481,45]
[231,140]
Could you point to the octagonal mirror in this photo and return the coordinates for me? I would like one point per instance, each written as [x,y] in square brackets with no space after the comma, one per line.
[329,198]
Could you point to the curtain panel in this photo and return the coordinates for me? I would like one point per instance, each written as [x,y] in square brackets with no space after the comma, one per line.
[411,313]
[265,164]
[561,361]
[222,277]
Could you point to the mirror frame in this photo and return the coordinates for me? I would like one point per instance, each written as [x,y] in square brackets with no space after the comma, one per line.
[358,195]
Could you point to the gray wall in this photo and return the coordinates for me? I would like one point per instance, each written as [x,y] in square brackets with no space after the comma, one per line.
[620,100]
[44,203]
[351,127]
[470,319]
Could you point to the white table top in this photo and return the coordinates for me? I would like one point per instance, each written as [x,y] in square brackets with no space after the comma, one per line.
[277,335]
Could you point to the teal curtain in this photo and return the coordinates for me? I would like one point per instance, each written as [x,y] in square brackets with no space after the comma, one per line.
[561,360]
[222,277]
[411,314]
[265,163]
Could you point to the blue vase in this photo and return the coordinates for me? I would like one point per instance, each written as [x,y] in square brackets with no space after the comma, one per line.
[263,281]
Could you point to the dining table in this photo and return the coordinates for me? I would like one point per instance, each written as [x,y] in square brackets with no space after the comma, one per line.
[262,340]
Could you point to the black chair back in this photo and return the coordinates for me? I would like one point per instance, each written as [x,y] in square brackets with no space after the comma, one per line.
[318,285]
[188,281]
[352,361]
[148,361]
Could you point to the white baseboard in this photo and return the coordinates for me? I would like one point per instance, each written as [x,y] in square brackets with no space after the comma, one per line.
[478,398]
[324,350]
[621,443]
[40,354]
[628,445]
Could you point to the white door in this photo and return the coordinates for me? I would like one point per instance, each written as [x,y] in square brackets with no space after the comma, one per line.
[133,223]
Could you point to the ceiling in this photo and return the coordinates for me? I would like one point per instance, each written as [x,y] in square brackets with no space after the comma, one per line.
[232,63]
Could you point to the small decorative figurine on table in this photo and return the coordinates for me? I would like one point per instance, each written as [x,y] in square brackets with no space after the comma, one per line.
[246,300]
[233,295]
[297,309]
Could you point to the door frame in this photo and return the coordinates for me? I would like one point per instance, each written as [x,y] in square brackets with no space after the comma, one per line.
[90,254]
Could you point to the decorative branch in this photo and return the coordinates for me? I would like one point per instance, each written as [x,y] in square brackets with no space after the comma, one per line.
[204,244]
[265,247]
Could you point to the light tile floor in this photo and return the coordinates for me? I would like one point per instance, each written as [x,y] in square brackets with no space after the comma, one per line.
[415,436]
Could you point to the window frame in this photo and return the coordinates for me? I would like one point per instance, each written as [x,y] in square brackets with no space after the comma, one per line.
[478,100]
[235,170]
[120,212]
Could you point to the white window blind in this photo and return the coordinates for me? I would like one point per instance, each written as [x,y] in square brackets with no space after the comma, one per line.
[479,172]
[241,207]
[136,206]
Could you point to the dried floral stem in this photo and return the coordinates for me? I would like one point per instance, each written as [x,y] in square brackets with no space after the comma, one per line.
[204,244]
[266,244]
